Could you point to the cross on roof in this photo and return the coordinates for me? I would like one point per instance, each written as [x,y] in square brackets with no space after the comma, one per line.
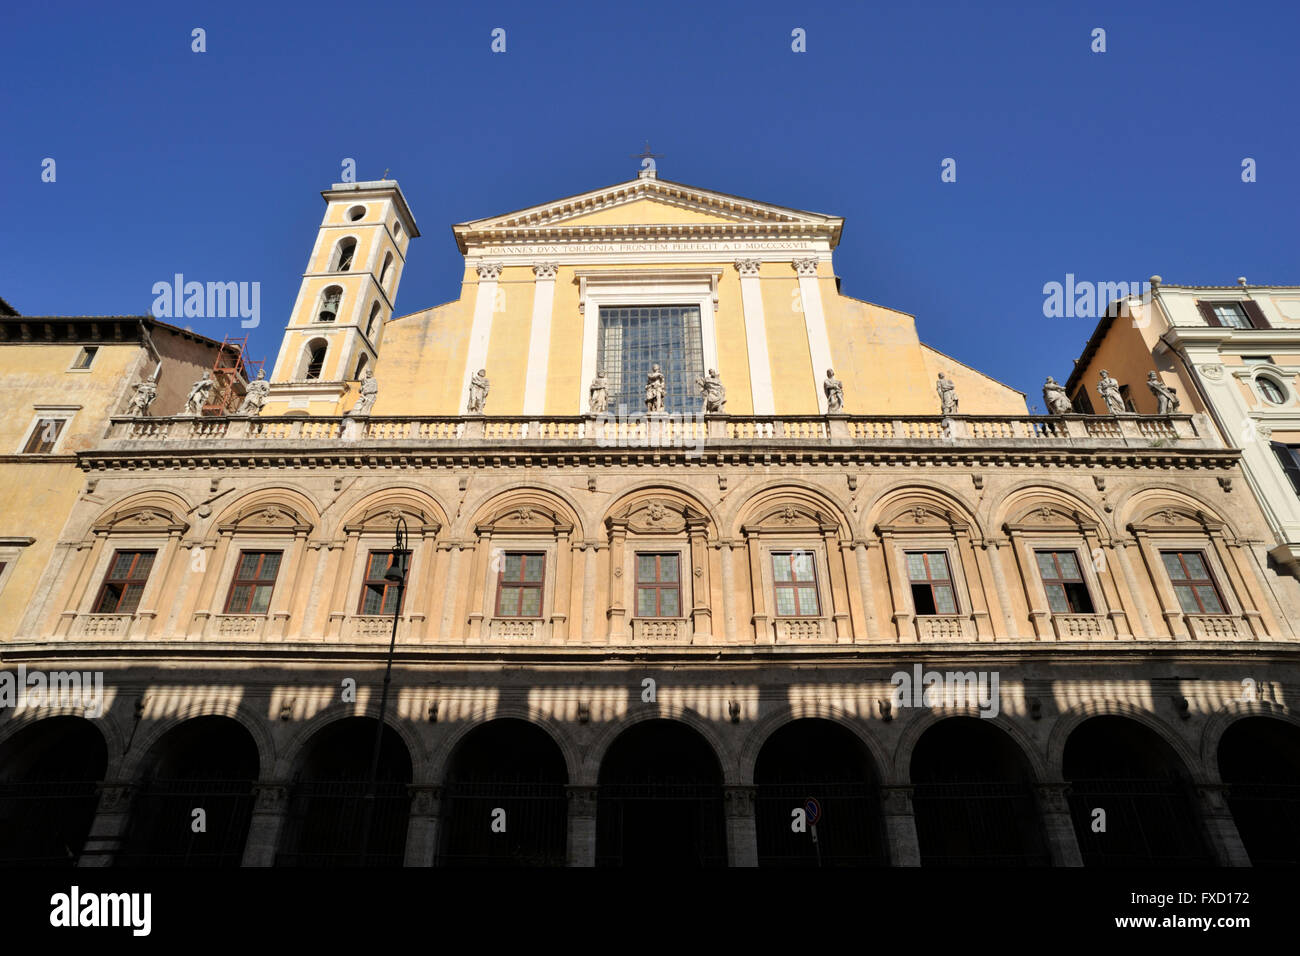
[645,154]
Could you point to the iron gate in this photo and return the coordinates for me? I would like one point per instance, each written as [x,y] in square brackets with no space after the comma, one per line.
[536,824]
[1149,822]
[45,822]
[848,834]
[161,831]
[1268,819]
[326,818]
[660,825]
[978,824]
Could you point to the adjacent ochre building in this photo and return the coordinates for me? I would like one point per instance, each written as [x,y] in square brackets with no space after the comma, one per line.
[627,637]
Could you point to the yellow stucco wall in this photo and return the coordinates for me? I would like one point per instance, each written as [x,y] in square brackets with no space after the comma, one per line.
[1126,353]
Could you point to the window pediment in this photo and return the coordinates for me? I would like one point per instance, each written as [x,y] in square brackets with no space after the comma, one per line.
[383,519]
[1175,520]
[1047,517]
[267,518]
[527,519]
[922,518]
[141,520]
[792,518]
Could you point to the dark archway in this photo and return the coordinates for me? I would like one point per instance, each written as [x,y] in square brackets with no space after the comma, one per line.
[819,759]
[973,798]
[49,777]
[208,763]
[1117,765]
[660,799]
[508,765]
[1259,760]
[327,802]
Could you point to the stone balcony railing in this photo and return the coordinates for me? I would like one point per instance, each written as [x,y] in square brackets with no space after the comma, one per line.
[693,433]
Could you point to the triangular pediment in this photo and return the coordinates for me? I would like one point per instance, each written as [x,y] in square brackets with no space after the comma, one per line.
[626,208]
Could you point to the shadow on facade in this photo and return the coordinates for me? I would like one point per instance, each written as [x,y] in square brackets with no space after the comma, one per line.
[327,802]
[1117,765]
[973,798]
[49,777]
[1259,759]
[208,764]
[504,803]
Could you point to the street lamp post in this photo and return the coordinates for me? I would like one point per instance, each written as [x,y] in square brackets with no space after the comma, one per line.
[397,569]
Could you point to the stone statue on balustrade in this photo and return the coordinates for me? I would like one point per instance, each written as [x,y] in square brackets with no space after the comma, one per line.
[1054,397]
[200,391]
[369,392]
[1166,396]
[598,393]
[713,391]
[258,389]
[145,393]
[478,392]
[1108,389]
[834,390]
[947,395]
[655,391]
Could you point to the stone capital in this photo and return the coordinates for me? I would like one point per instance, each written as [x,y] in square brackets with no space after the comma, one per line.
[489,270]
[739,801]
[582,801]
[748,267]
[805,267]
[545,270]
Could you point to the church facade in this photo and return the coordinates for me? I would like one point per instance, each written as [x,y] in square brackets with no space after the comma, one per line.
[709,564]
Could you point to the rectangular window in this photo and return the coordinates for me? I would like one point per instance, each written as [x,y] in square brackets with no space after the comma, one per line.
[1197,593]
[658,585]
[519,584]
[1082,403]
[1231,315]
[1128,399]
[932,590]
[85,357]
[250,592]
[1066,591]
[378,595]
[630,340]
[795,575]
[1257,360]
[44,436]
[124,583]
[1288,457]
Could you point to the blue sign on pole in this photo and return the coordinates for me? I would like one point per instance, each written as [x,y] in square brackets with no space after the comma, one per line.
[813,810]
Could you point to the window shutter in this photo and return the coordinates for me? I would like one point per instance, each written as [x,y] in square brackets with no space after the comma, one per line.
[1207,313]
[1255,315]
[1290,460]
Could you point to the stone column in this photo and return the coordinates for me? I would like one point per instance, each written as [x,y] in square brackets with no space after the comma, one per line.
[1239,584]
[992,548]
[1169,607]
[478,594]
[1058,825]
[839,587]
[76,583]
[539,339]
[562,603]
[450,589]
[819,344]
[975,585]
[863,551]
[1143,626]
[616,613]
[763,633]
[760,366]
[206,604]
[728,591]
[900,826]
[270,810]
[905,630]
[112,816]
[1039,615]
[480,330]
[1109,591]
[581,850]
[286,587]
[162,585]
[338,598]
[742,830]
[422,827]
[701,589]
[588,635]
[1218,826]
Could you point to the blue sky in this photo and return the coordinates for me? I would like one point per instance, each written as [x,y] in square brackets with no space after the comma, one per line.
[1111,166]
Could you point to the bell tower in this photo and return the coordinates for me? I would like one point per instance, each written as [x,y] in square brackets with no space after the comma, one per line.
[346,298]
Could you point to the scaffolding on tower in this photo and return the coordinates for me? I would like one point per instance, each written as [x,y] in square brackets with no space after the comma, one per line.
[232,370]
